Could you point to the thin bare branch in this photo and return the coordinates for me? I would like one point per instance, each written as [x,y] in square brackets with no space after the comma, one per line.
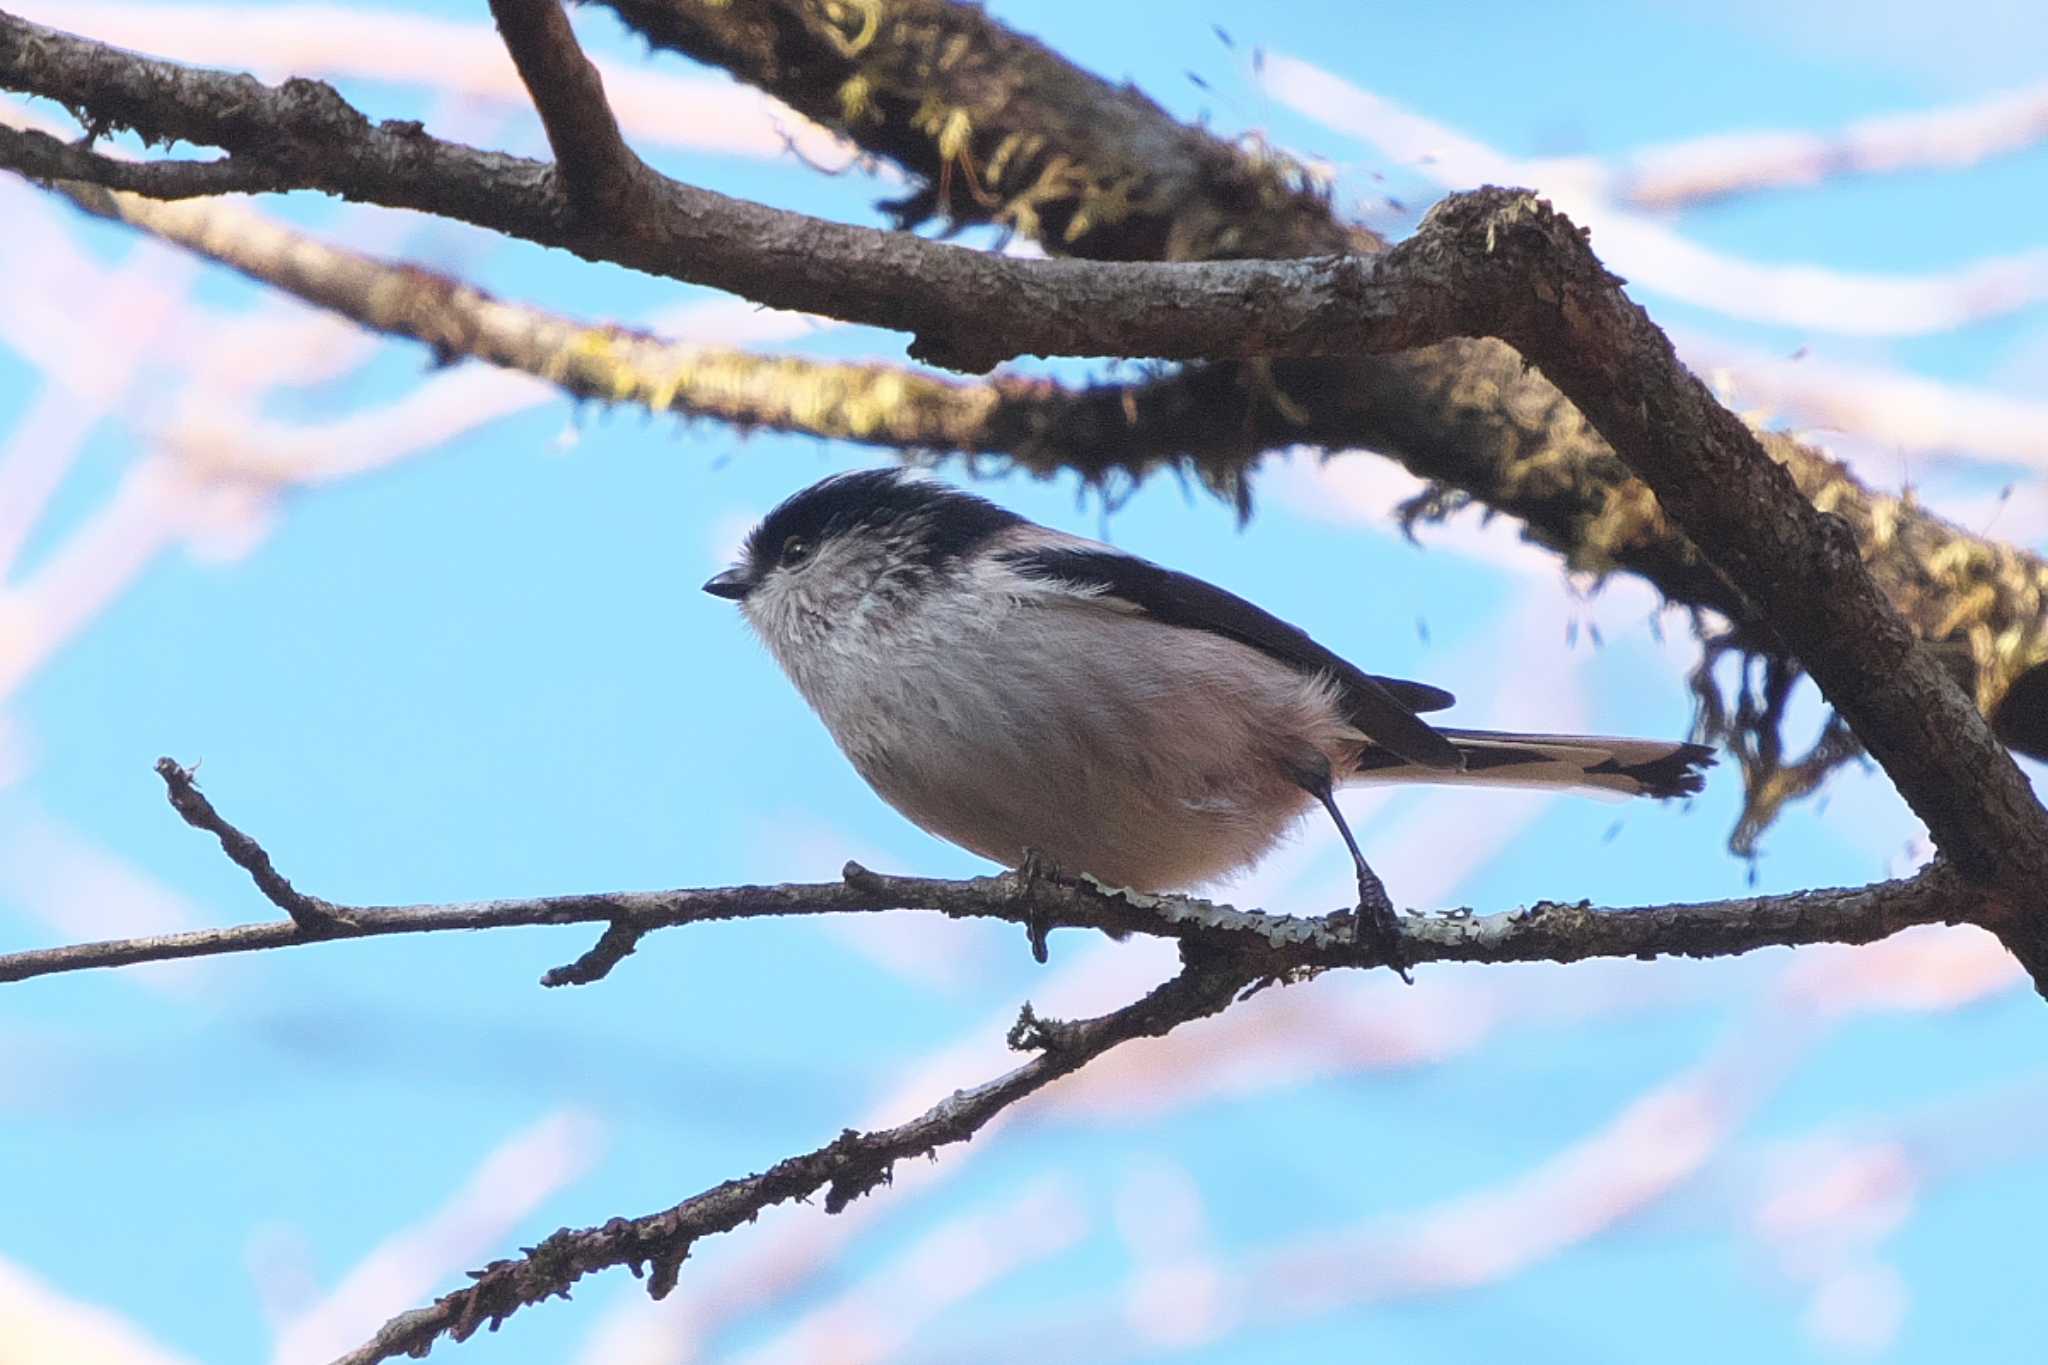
[1261,945]
[311,916]
[39,156]
[1548,931]
[599,173]
[613,946]
[1224,951]
[846,1168]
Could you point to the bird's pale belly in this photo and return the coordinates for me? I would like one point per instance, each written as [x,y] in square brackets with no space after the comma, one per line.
[1147,756]
[1095,809]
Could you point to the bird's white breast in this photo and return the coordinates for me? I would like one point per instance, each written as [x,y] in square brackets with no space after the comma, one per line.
[1149,755]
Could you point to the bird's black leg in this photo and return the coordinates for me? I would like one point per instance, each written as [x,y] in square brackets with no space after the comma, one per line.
[1375,909]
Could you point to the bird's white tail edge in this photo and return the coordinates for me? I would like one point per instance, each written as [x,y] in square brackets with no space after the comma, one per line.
[1589,763]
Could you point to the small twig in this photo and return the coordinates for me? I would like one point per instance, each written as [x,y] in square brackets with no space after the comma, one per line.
[613,946]
[42,157]
[598,172]
[1034,1033]
[846,1168]
[311,914]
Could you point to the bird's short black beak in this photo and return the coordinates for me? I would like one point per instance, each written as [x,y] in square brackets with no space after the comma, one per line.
[732,583]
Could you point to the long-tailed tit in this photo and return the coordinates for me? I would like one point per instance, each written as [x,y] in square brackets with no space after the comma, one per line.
[1015,689]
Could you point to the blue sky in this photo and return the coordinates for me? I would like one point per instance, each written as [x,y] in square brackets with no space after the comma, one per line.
[486,670]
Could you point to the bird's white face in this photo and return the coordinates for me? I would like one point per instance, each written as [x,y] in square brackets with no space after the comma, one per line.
[811,594]
[837,578]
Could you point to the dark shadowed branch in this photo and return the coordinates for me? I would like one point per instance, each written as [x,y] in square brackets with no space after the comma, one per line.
[599,173]
[1086,166]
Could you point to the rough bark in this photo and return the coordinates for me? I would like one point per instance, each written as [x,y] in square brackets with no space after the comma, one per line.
[1093,169]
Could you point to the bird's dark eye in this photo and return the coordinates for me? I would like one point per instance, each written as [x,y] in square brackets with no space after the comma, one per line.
[796,550]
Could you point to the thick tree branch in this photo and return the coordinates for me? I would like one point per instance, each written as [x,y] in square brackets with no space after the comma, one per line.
[970,308]
[1486,264]
[1494,264]
[1094,169]
[846,1168]
[1039,423]
[1547,295]
[599,173]
[1087,167]
[1107,431]
[1979,599]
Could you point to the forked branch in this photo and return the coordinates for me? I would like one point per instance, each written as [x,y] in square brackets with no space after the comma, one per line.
[601,176]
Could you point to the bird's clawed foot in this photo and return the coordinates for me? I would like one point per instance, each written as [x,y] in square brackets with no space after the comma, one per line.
[1032,869]
[1376,925]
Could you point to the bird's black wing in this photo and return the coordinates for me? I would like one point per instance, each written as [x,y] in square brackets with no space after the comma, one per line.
[1382,708]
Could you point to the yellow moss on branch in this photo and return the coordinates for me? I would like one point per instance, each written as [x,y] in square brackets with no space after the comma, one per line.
[875,403]
[1961,591]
